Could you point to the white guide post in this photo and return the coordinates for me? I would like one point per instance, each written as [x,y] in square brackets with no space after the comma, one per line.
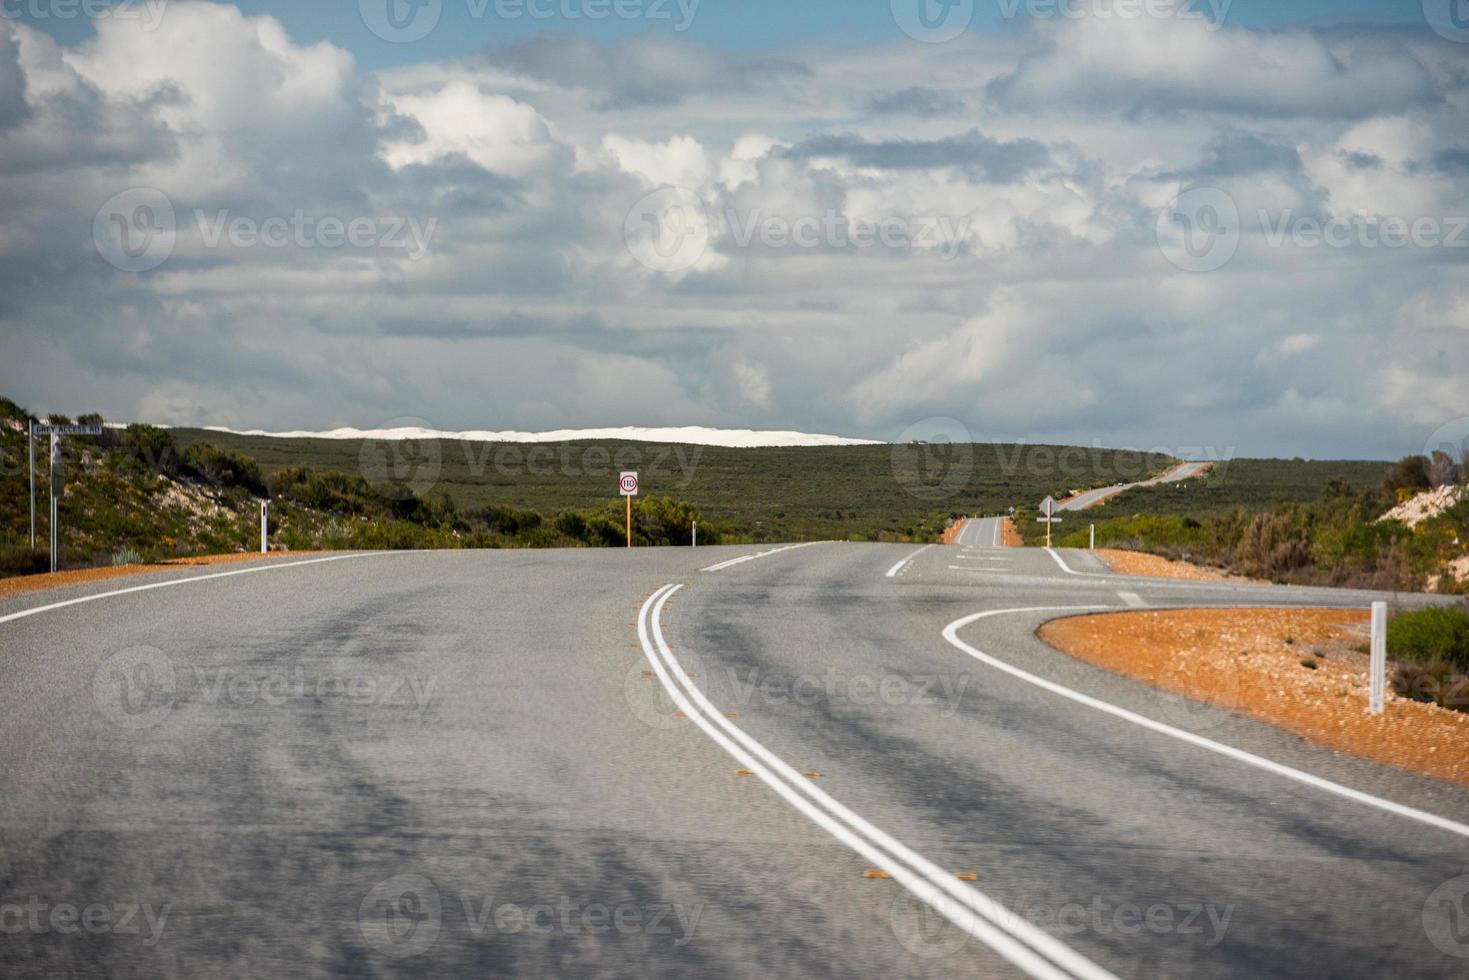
[1379,658]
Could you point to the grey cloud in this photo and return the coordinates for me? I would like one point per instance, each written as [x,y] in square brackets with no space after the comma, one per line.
[642,71]
[916,101]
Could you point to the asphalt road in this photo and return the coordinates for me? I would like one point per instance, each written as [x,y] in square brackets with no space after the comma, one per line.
[523,764]
[1090,498]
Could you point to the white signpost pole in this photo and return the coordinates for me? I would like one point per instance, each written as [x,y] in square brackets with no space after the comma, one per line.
[1094,538]
[264,526]
[31,457]
[696,534]
[55,462]
[57,478]
[1379,658]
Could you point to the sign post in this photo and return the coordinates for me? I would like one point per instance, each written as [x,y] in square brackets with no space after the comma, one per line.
[1379,659]
[264,526]
[696,534]
[31,458]
[58,486]
[627,484]
[58,478]
[1048,510]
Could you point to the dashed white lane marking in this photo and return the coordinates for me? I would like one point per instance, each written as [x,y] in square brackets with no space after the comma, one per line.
[1027,947]
[1132,599]
[276,566]
[951,633]
[893,572]
[761,554]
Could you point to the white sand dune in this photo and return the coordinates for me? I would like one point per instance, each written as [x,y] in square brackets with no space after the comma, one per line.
[691,435]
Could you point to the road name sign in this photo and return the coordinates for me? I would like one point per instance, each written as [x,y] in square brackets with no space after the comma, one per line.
[68,430]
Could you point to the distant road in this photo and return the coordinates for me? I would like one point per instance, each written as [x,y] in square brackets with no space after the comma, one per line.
[611,763]
[1184,471]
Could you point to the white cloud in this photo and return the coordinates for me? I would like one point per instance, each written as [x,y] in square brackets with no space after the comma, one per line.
[500,134]
[1054,149]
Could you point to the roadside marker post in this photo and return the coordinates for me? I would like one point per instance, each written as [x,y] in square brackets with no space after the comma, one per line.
[627,484]
[1379,658]
[58,478]
[1093,545]
[695,542]
[1048,510]
[264,526]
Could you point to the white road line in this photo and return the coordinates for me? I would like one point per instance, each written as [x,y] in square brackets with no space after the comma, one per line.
[188,581]
[951,634]
[998,522]
[762,554]
[1071,571]
[983,558]
[893,572]
[1132,599]
[1032,950]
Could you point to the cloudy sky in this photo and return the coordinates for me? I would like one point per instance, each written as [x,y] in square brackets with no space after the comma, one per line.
[1128,222]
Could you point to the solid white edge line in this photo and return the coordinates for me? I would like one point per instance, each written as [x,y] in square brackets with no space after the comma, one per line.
[893,572]
[1239,755]
[1029,948]
[998,522]
[273,566]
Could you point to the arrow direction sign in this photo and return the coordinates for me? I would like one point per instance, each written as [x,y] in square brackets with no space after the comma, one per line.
[1049,508]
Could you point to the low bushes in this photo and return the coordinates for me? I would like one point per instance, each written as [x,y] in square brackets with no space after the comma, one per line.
[1432,650]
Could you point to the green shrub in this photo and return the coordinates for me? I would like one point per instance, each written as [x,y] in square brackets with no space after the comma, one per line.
[126,556]
[225,468]
[1427,635]
[24,561]
[1435,682]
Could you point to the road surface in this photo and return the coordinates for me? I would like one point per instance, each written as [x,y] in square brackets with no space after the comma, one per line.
[610,763]
[1090,498]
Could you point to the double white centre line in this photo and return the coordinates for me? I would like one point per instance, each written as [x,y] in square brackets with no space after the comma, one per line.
[1029,948]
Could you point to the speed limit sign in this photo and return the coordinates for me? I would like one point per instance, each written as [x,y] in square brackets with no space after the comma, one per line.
[628,484]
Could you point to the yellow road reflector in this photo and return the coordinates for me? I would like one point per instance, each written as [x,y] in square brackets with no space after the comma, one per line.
[875,873]
[649,673]
[731,714]
[679,714]
[744,772]
[967,876]
[813,774]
